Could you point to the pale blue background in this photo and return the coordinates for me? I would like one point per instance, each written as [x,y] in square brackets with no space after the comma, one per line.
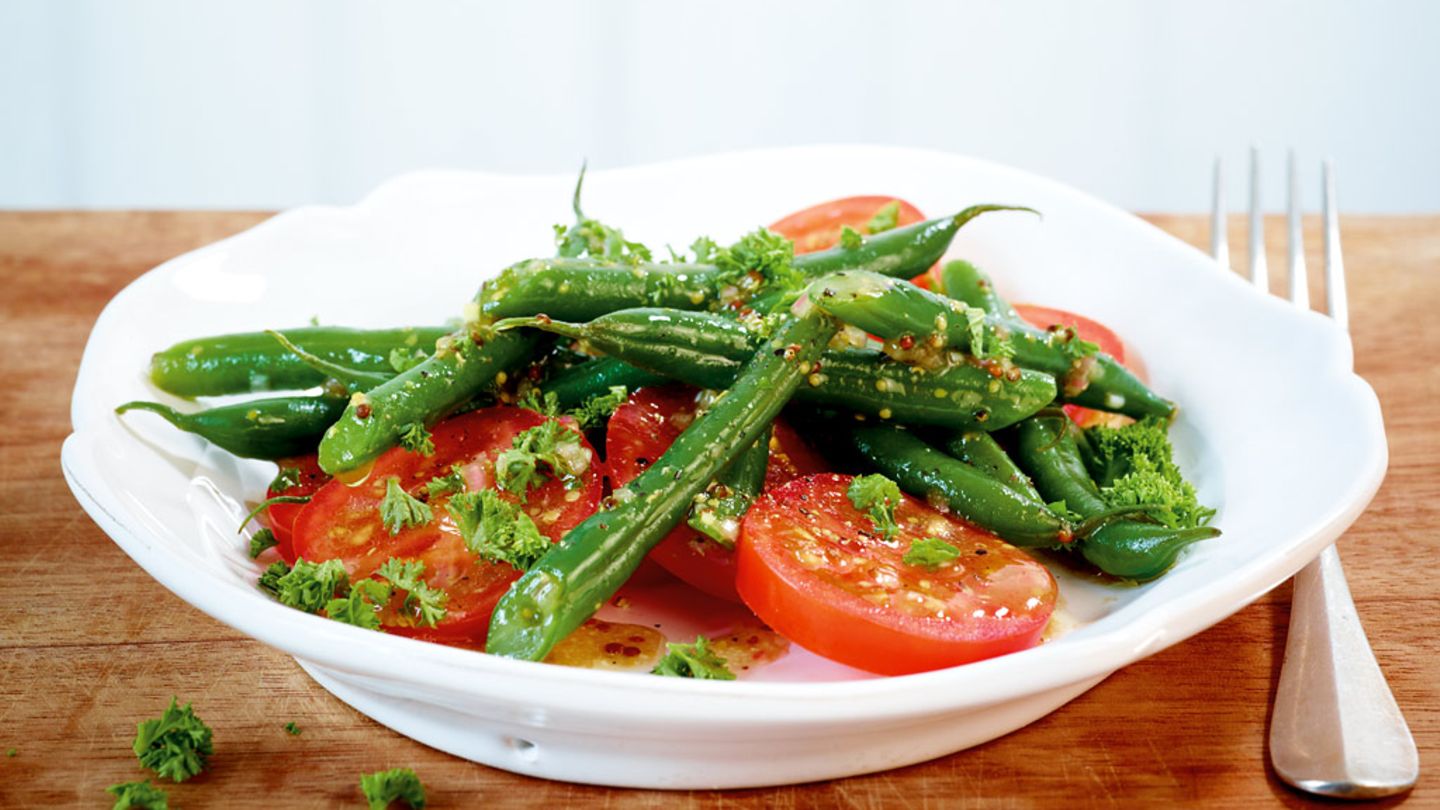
[271,103]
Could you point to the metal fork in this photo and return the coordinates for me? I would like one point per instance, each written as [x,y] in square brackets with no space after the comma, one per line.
[1335,729]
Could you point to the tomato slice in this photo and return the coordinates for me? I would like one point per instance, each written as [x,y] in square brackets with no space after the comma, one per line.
[818,227]
[343,522]
[1093,331]
[309,479]
[812,566]
[641,431]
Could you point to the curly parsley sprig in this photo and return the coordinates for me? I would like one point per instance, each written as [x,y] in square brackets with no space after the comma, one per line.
[176,745]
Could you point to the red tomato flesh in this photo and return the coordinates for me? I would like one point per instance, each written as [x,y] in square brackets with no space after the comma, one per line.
[342,522]
[641,431]
[1093,331]
[812,566]
[282,515]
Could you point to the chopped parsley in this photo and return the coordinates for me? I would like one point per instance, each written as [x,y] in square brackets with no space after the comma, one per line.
[427,604]
[877,496]
[1134,466]
[886,218]
[138,796]
[496,529]
[590,237]
[398,784]
[1063,511]
[764,253]
[415,438]
[986,341]
[361,605]
[693,661]
[850,239]
[447,484]
[930,552]
[1068,340]
[287,478]
[594,411]
[704,249]
[545,404]
[536,454]
[292,729]
[307,586]
[175,745]
[400,510]
[261,540]
[402,360]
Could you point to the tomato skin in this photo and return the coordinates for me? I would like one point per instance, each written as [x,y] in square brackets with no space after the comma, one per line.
[343,522]
[1087,329]
[642,429]
[818,227]
[281,516]
[808,562]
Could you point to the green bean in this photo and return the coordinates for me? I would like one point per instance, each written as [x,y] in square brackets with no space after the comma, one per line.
[705,350]
[980,450]
[927,473]
[578,384]
[254,361]
[580,289]
[900,252]
[1046,449]
[968,284]
[271,429]
[462,365]
[595,558]
[718,516]
[575,289]
[895,309]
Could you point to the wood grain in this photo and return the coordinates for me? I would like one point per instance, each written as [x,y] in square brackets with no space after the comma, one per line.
[89,644]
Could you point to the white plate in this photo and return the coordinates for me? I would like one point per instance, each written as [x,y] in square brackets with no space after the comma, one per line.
[1261,385]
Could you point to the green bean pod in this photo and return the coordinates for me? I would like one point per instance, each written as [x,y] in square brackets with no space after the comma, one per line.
[900,252]
[980,450]
[1139,551]
[581,289]
[578,384]
[927,473]
[1047,449]
[274,428]
[718,517]
[592,561]
[253,361]
[705,350]
[894,309]
[969,285]
[462,365]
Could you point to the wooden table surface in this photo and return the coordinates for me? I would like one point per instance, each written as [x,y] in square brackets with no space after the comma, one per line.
[89,644]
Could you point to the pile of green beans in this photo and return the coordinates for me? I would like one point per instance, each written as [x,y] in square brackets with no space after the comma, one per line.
[594,559]
[706,350]
[896,309]
[930,426]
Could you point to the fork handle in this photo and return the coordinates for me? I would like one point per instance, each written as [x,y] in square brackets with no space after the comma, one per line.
[1335,729]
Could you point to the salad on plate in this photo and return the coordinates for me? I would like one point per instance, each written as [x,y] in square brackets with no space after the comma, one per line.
[823,423]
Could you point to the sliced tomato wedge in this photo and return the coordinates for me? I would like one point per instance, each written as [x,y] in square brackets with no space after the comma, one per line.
[818,227]
[813,567]
[641,431]
[308,478]
[1087,329]
[343,522]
